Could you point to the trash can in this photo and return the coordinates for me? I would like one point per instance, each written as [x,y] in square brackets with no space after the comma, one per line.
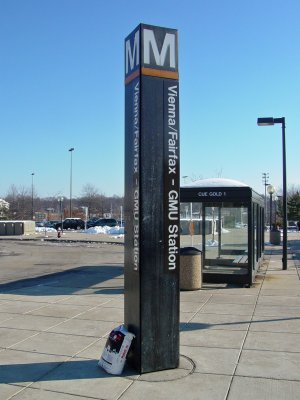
[19,228]
[275,236]
[2,228]
[190,268]
[10,228]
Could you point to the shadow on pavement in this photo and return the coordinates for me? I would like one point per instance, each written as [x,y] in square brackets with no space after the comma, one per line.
[273,252]
[77,369]
[70,281]
[194,326]
[55,371]
[295,247]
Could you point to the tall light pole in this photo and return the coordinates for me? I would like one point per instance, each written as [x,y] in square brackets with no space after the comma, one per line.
[271,191]
[71,151]
[86,211]
[32,209]
[272,121]
[60,201]
[275,211]
[265,177]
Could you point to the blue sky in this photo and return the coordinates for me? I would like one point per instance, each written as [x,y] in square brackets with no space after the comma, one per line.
[62,86]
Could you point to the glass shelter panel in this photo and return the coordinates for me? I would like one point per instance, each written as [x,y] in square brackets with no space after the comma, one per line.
[226,240]
[191,225]
[220,232]
[255,231]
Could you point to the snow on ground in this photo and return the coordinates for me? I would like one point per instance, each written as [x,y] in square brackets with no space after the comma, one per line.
[104,230]
[42,229]
[212,243]
[225,230]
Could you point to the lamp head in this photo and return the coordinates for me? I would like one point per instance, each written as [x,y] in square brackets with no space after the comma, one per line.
[265,121]
[271,189]
[270,121]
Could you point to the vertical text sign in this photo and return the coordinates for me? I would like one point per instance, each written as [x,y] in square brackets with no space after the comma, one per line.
[152,196]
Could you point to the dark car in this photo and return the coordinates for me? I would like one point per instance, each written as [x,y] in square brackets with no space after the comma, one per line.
[292,226]
[51,224]
[91,222]
[105,222]
[70,223]
[39,224]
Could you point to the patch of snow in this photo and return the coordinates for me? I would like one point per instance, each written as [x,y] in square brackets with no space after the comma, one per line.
[212,243]
[215,182]
[42,229]
[106,230]
[225,230]
[118,236]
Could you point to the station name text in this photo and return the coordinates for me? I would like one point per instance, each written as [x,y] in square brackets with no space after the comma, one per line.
[173,171]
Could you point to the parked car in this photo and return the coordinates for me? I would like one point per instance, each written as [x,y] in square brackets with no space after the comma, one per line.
[70,223]
[91,221]
[51,224]
[292,226]
[105,222]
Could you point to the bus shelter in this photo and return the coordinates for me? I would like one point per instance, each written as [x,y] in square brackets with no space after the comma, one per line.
[224,219]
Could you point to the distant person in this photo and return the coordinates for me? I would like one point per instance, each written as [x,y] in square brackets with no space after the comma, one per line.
[298,226]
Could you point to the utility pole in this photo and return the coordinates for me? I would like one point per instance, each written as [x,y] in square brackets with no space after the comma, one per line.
[32,194]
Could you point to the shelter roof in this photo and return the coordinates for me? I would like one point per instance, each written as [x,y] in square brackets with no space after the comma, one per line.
[214,182]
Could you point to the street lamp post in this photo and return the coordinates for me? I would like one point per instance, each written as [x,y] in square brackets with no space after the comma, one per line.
[272,121]
[71,151]
[60,201]
[275,211]
[32,209]
[121,216]
[271,191]
[265,177]
[86,211]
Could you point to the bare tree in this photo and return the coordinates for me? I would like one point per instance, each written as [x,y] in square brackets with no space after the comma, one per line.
[91,199]
[19,200]
[20,204]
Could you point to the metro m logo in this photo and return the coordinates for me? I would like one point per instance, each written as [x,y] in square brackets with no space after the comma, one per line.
[160,57]
[132,58]
[151,50]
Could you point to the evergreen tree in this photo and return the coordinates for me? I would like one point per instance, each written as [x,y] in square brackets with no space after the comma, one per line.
[294,207]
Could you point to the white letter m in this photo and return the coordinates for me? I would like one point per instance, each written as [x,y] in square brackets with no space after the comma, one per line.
[169,42]
[132,58]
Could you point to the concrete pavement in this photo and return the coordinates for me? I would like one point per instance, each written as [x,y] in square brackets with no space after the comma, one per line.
[236,343]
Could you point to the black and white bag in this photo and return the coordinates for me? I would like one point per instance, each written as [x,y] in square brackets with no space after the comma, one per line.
[115,351]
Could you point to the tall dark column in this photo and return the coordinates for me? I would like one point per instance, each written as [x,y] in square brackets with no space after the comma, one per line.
[152,197]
